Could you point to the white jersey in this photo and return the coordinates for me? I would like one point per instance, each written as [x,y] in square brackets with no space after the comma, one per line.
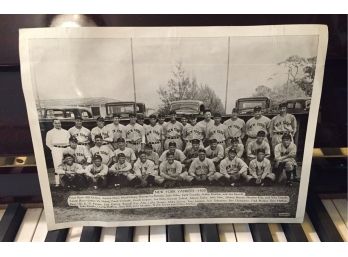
[59,137]
[172,170]
[144,168]
[280,151]
[255,125]
[121,168]
[282,124]
[178,155]
[229,167]
[235,128]
[217,132]
[98,131]
[205,126]
[128,152]
[114,132]
[104,151]
[73,169]
[173,130]
[135,133]
[254,146]
[199,167]
[81,134]
[193,132]
[80,153]
[239,149]
[93,171]
[153,133]
[216,154]
[258,169]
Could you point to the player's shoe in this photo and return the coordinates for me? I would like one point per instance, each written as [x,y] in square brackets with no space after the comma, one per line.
[233,184]
[95,187]
[117,186]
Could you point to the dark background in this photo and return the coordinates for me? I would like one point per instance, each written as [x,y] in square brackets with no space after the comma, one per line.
[332,122]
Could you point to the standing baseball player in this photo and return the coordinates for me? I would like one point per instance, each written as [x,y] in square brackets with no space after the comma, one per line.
[99,130]
[235,127]
[172,132]
[103,150]
[259,143]
[81,155]
[141,119]
[193,131]
[154,134]
[127,151]
[161,120]
[218,130]
[114,131]
[283,123]
[81,133]
[255,124]
[135,134]
[56,140]
[205,125]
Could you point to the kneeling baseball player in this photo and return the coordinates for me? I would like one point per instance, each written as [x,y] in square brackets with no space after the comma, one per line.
[202,170]
[260,170]
[145,172]
[121,174]
[97,173]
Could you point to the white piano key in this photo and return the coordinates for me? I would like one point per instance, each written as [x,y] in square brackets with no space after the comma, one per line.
[2,212]
[108,234]
[341,206]
[192,233]
[336,218]
[141,234]
[158,234]
[74,234]
[277,232]
[309,230]
[30,221]
[226,233]
[41,229]
[243,233]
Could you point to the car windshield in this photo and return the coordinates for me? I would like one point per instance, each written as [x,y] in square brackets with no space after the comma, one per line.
[55,114]
[126,108]
[180,106]
[251,104]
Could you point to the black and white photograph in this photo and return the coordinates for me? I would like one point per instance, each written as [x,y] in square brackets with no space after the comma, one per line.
[150,126]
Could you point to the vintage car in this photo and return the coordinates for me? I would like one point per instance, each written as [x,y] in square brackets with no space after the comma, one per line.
[187,107]
[245,106]
[124,109]
[298,105]
[66,112]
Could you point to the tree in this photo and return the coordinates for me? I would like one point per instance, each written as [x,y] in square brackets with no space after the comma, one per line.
[182,87]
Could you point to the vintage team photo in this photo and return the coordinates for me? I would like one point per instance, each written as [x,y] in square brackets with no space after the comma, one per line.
[127,116]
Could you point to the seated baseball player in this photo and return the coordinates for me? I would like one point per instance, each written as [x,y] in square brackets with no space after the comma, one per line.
[151,155]
[260,170]
[215,152]
[80,153]
[259,143]
[103,150]
[128,152]
[120,173]
[71,173]
[96,173]
[178,154]
[192,152]
[202,170]
[171,172]
[233,170]
[235,143]
[145,172]
[284,156]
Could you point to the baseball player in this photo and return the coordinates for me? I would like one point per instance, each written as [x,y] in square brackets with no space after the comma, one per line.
[192,152]
[97,172]
[285,159]
[259,143]
[184,121]
[171,172]
[141,119]
[239,147]
[81,155]
[99,130]
[218,130]
[161,120]
[235,127]
[114,131]
[120,173]
[154,134]
[178,154]
[172,132]
[152,155]
[135,134]
[192,131]
[215,152]
[205,125]
[232,169]
[260,170]
[128,152]
[255,124]
[145,172]
[202,169]
[56,140]
[71,173]
[81,133]
[102,150]
[283,123]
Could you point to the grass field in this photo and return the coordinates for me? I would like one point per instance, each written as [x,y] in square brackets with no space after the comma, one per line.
[65,213]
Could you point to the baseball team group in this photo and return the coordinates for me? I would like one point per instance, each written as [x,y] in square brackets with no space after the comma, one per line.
[259,152]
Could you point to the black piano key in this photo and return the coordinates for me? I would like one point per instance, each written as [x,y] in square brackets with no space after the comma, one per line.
[261,232]
[58,235]
[11,222]
[90,234]
[321,220]
[209,233]
[175,233]
[294,232]
[124,234]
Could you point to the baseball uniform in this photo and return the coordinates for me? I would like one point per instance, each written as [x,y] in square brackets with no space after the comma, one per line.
[172,132]
[124,169]
[261,169]
[235,128]
[216,155]
[233,169]
[128,152]
[280,125]
[81,154]
[173,171]
[202,170]
[254,125]
[218,132]
[178,155]
[135,135]
[97,175]
[71,175]
[154,137]
[99,131]
[204,125]
[254,146]
[113,133]
[239,149]
[153,156]
[193,132]
[81,134]
[144,169]
[285,154]
[105,152]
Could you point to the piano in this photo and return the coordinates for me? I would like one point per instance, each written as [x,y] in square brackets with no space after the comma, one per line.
[22,218]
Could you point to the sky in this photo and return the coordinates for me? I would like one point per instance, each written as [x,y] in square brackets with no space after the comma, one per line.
[72,68]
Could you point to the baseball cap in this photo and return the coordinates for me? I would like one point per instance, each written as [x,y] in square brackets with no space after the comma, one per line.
[212,141]
[148,146]
[132,115]
[172,144]
[120,140]
[260,150]
[73,139]
[98,136]
[68,155]
[121,155]
[286,136]
[169,153]
[100,119]
[195,141]
[201,151]
[261,133]
[97,157]
[257,108]
[232,150]
[152,116]
[234,110]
